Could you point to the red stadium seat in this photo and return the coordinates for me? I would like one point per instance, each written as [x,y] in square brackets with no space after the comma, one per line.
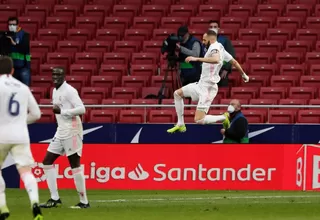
[182,10]
[313,22]
[103,116]
[83,69]
[189,115]
[243,11]
[113,70]
[227,102]
[279,34]
[70,46]
[317,48]
[292,102]
[70,11]
[312,57]
[262,23]
[144,102]
[251,34]
[256,81]
[230,33]
[125,10]
[284,81]
[127,46]
[263,102]
[162,116]
[255,116]
[314,102]
[243,46]
[47,116]
[31,24]
[302,93]
[104,81]
[116,58]
[100,11]
[152,46]
[154,10]
[10,10]
[42,46]
[134,81]
[289,22]
[269,46]
[282,116]
[298,10]
[259,58]
[132,116]
[58,22]
[232,23]
[263,69]
[46,69]
[161,2]
[163,33]
[310,81]
[173,22]
[136,34]
[311,35]
[39,92]
[94,93]
[45,102]
[244,92]
[94,58]
[90,101]
[37,10]
[288,58]
[98,46]
[108,34]
[315,69]
[153,91]
[77,81]
[311,116]
[50,34]
[37,59]
[119,23]
[148,23]
[211,11]
[198,33]
[90,23]
[199,22]
[144,58]
[114,102]
[125,93]
[41,81]
[270,10]
[158,80]
[143,70]
[77,34]
[292,69]
[273,93]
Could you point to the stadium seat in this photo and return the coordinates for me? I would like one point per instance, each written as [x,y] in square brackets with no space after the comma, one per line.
[312,57]
[279,34]
[302,93]
[38,92]
[42,46]
[313,22]
[31,24]
[143,70]
[263,102]
[77,81]
[162,33]
[200,22]
[210,11]
[259,58]
[125,10]
[270,10]
[154,10]
[113,70]
[41,81]
[156,81]
[162,116]
[46,69]
[50,34]
[227,102]
[77,34]
[173,22]
[269,46]
[94,58]
[115,102]
[47,116]
[152,46]
[37,10]
[125,93]
[90,101]
[70,46]
[83,69]
[153,91]
[103,116]
[119,23]
[144,58]
[104,81]
[282,116]
[58,22]
[10,10]
[116,58]
[255,116]
[314,102]
[273,93]
[232,23]
[148,23]
[256,81]
[292,69]
[298,10]
[127,46]
[144,102]
[284,81]
[135,81]
[263,69]
[100,11]
[289,22]
[244,92]
[70,11]
[189,115]
[89,23]
[94,93]
[262,23]
[242,11]
[311,35]
[108,34]
[310,81]
[137,34]
[230,33]
[243,46]
[98,46]
[315,69]
[288,58]
[132,116]
[182,10]
[45,102]
[310,116]
[292,102]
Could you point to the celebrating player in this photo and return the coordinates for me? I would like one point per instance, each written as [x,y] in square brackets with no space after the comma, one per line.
[18,108]
[206,89]
[67,140]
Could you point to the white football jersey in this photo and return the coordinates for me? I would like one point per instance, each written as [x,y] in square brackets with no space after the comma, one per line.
[69,121]
[18,107]
[210,72]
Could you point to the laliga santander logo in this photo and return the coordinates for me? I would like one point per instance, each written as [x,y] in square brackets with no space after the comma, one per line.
[37,169]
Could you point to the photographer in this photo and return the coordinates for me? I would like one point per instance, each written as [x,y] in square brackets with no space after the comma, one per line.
[226,43]
[20,51]
[189,46]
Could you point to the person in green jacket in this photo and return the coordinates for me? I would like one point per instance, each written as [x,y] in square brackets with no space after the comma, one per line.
[235,127]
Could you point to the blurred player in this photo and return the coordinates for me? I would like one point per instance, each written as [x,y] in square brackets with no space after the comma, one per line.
[206,89]
[67,141]
[17,109]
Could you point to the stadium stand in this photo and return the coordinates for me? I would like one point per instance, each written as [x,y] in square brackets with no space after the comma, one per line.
[111,50]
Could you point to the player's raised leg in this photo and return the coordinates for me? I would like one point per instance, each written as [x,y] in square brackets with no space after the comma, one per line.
[179,106]
[51,174]
[4,211]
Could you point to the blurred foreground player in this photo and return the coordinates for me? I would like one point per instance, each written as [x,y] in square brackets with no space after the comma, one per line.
[206,89]
[68,139]
[18,108]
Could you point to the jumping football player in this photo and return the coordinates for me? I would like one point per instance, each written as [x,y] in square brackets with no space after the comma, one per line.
[206,89]
[67,141]
[18,108]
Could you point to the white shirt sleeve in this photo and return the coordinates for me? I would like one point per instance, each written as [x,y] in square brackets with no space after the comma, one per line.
[34,111]
[78,107]
[227,56]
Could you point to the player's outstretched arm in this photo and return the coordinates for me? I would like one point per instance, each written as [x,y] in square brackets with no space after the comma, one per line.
[34,113]
[213,59]
[75,100]
[239,68]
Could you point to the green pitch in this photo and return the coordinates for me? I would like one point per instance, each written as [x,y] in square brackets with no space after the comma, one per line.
[175,205]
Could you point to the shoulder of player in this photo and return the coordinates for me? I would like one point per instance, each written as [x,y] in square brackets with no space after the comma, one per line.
[70,88]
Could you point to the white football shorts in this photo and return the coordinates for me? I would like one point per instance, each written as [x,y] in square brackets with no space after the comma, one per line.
[67,147]
[21,154]
[204,94]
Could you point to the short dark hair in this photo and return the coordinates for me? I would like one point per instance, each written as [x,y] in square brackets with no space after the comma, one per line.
[59,69]
[6,65]
[214,21]
[13,19]
[211,33]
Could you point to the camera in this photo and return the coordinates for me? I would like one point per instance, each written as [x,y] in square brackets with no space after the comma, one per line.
[169,47]
[5,43]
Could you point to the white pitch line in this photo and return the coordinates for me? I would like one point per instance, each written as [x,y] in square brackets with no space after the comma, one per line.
[204,198]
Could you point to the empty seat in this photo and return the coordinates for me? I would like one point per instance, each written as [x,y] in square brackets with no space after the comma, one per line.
[113,70]
[134,81]
[77,81]
[313,22]
[132,116]
[312,57]
[279,34]
[162,116]
[152,46]
[125,10]
[136,34]
[102,116]
[288,58]
[41,81]
[147,23]
[256,81]
[158,80]
[98,46]
[255,116]
[182,10]
[70,11]
[69,46]
[289,22]
[200,22]
[116,22]
[83,69]
[114,102]
[302,93]
[284,81]
[153,92]
[273,93]
[38,92]
[104,81]
[310,81]
[282,116]
[298,10]
[241,10]
[100,11]
[42,46]
[143,70]
[310,116]
[263,102]
[31,24]
[315,69]
[88,58]
[292,102]
[116,58]
[91,23]
[37,59]
[58,22]
[94,93]
[77,34]
[212,11]
[263,69]
[314,102]
[292,69]
[50,34]
[260,22]
[45,102]
[270,10]
[259,58]
[125,93]
[144,58]
[173,22]
[10,10]
[37,10]
[269,46]
[230,33]
[154,10]
[144,102]
[162,33]
[108,34]
[232,22]
[244,92]
[243,46]
[310,35]
[47,116]
[126,46]
[251,34]
[46,69]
